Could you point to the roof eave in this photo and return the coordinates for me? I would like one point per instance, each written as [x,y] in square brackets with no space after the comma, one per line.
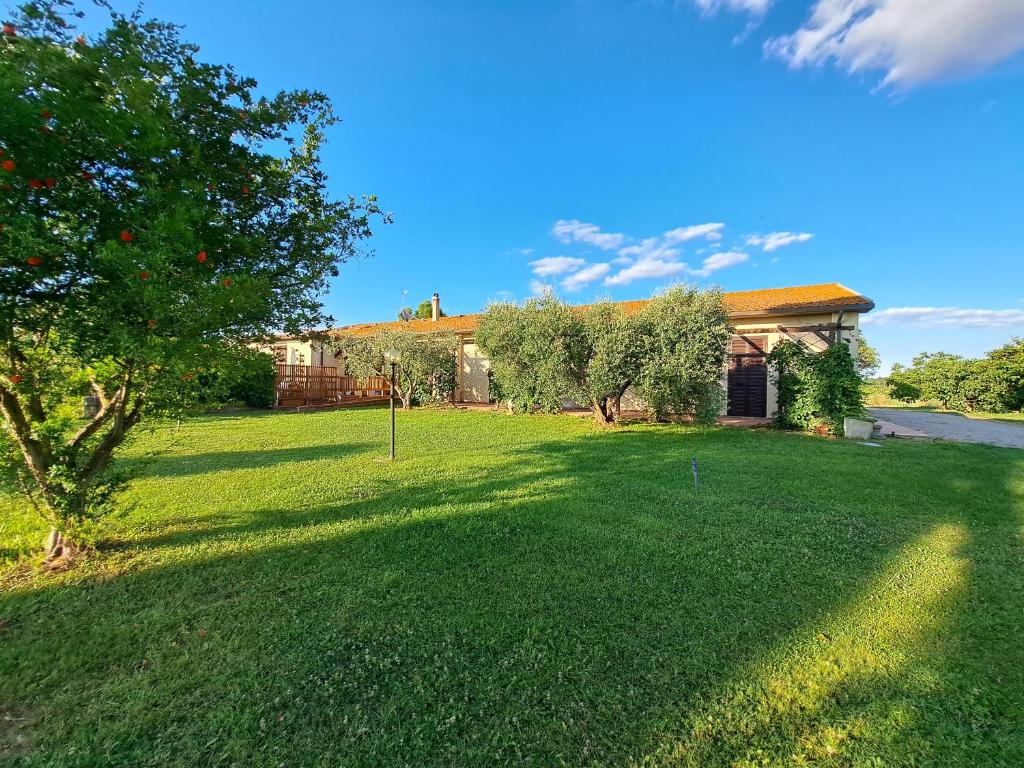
[806,310]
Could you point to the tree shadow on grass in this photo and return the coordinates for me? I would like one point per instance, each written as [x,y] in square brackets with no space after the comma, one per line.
[568,606]
[220,461]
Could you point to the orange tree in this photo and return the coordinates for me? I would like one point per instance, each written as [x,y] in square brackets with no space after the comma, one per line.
[155,216]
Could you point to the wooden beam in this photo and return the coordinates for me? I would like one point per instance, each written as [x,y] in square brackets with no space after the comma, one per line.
[792,329]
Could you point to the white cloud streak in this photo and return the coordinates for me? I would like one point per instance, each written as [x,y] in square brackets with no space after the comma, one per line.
[556,265]
[576,231]
[912,41]
[740,6]
[772,241]
[683,234]
[719,261]
[645,268]
[583,277]
[936,317]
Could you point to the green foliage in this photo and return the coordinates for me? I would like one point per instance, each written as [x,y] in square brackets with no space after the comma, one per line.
[156,216]
[531,349]
[815,387]
[252,380]
[867,357]
[683,337]
[426,372]
[546,352]
[902,386]
[994,383]
[425,311]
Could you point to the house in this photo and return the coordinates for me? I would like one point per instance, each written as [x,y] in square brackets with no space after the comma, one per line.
[815,314]
[299,350]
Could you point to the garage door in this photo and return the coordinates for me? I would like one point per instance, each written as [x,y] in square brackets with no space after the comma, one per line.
[748,377]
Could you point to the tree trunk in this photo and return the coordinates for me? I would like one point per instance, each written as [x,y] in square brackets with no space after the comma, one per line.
[602,411]
[615,406]
[60,552]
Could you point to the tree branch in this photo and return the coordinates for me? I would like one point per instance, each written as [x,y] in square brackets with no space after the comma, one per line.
[37,454]
[107,409]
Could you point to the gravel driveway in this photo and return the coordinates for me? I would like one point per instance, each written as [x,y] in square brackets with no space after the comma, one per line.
[953,426]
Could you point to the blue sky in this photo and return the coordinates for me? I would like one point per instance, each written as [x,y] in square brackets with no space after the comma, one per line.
[520,143]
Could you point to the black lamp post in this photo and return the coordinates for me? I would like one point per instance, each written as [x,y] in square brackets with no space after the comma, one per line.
[394,357]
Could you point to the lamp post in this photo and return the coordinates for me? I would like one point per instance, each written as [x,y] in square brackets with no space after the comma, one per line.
[394,357]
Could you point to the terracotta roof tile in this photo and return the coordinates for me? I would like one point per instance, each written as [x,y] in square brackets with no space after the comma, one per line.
[769,301]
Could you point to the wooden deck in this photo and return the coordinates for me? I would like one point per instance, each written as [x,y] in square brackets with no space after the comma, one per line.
[319,385]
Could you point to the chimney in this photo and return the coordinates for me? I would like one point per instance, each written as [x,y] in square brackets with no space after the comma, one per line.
[435,307]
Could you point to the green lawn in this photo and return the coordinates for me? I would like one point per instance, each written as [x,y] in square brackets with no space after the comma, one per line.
[528,591]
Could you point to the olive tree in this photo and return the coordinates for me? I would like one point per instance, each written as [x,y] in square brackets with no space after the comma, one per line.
[683,335]
[427,367]
[671,353]
[533,350]
[155,216]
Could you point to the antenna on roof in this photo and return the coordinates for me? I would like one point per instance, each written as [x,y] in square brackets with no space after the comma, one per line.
[404,312]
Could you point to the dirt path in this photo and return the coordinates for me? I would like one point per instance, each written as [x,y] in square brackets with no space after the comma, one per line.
[953,426]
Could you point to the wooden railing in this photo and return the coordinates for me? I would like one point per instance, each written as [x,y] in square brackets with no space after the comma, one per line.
[323,385]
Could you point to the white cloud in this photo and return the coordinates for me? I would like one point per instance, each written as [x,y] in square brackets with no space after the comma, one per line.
[578,280]
[682,234]
[649,248]
[744,6]
[717,261]
[775,240]
[556,265]
[912,41]
[652,257]
[645,268]
[931,317]
[573,230]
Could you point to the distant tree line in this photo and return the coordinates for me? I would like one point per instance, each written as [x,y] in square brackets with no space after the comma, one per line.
[994,383]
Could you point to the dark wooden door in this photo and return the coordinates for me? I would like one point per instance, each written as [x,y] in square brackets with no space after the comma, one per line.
[748,377]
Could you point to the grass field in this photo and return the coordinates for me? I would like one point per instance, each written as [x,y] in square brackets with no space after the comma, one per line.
[527,591]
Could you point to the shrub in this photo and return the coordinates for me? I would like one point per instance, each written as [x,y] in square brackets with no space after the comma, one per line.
[253,380]
[815,388]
